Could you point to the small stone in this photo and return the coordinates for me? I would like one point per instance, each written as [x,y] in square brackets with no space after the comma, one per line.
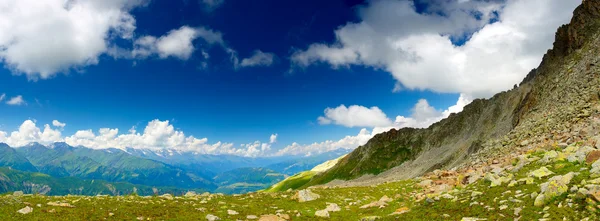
[518,211]
[211,217]
[401,211]
[167,196]
[306,195]
[332,207]
[476,193]
[370,218]
[322,213]
[541,173]
[25,210]
[190,194]
[232,212]
[18,193]
[251,217]
[472,219]
[270,218]
[592,156]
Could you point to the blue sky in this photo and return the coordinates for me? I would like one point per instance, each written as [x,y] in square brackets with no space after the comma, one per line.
[319,62]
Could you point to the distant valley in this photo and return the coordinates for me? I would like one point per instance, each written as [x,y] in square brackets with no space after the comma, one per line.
[60,169]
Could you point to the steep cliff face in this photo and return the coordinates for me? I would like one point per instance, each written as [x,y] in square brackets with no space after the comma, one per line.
[557,95]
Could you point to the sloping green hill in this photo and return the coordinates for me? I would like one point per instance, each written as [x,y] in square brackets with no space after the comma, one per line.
[10,158]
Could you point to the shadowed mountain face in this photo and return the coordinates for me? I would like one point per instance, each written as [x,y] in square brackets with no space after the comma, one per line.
[564,83]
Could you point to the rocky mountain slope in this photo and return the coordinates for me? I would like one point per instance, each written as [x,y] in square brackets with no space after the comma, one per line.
[555,102]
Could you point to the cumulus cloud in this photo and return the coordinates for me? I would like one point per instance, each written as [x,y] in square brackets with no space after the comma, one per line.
[422,115]
[273,138]
[177,43]
[355,116]
[259,58]
[428,51]
[16,101]
[348,143]
[42,38]
[157,135]
[57,123]
[28,132]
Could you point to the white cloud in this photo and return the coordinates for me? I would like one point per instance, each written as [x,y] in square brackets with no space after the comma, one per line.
[418,51]
[157,135]
[355,116]
[177,43]
[211,5]
[2,96]
[16,101]
[28,132]
[42,38]
[348,143]
[273,138]
[259,58]
[57,123]
[423,115]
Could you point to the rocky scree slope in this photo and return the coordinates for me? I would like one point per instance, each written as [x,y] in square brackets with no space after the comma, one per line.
[550,102]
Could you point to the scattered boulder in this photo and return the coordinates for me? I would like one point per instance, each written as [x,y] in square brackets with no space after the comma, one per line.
[18,193]
[549,156]
[471,219]
[541,173]
[556,186]
[332,207]
[211,217]
[322,213]
[167,196]
[270,217]
[497,180]
[592,156]
[59,204]
[381,203]
[370,218]
[232,212]
[251,217]
[580,155]
[306,195]
[425,183]
[190,194]
[25,210]
[401,211]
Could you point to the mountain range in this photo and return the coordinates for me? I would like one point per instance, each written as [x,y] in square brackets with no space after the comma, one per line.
[64,169]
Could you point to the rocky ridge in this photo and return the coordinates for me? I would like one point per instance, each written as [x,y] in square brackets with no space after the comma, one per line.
[557,102]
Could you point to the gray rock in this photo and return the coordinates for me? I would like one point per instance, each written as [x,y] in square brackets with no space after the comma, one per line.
[332,207]
[18,193]
[322,213]
[211,217]
[25,210]
[306,195]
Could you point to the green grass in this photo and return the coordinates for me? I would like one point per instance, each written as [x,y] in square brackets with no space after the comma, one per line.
[294,182]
